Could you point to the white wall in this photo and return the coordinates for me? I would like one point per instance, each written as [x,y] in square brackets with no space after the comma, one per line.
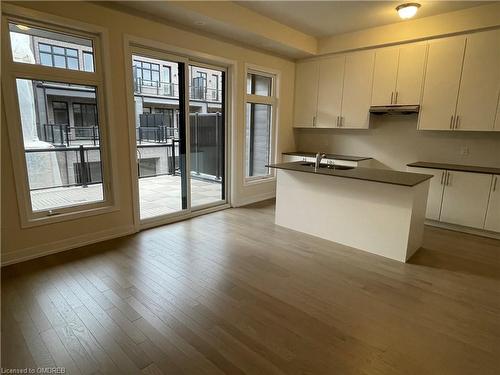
[395,141]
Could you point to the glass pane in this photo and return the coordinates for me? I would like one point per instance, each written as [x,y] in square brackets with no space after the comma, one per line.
[207,132]
[155,76]
[24,38]
[160,157]
[71,52]
[258,139]
[44,47]
[59,61]
[88,62]
[64,165]
[46,59]
[72,63]
[259,85]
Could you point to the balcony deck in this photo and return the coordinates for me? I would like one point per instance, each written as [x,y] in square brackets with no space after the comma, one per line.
[159,195]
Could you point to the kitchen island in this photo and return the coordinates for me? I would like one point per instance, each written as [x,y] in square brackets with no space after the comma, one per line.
[376,210]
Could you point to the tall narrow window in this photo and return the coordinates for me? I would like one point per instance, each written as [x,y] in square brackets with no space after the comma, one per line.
[58,128]
[260,117]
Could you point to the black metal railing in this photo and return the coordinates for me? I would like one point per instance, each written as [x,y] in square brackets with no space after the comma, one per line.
[63,134]
[196,92]
[156,134]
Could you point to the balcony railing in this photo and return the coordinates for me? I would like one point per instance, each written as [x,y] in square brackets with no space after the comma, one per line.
[167,89]
[63,134]
[156,134]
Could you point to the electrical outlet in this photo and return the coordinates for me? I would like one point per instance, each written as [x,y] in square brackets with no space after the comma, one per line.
[464,150]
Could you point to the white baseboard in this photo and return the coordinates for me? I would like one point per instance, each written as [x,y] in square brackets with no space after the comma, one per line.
[459,228]
[11,257]
[253,199]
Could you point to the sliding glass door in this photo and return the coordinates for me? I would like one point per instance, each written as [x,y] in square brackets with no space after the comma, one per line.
[160,126]
[165,134]
[207,132]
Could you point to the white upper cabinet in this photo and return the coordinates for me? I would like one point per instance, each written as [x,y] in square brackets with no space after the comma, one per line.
[357,93]
[385,76]
[306,93]
[442,81]
[398,74]
[493,215]
[465,198]
[410,74]
[480,83]
[331,79]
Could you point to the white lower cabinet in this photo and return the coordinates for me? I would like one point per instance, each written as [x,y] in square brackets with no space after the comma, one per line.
[436,188]
[465,198]
[493,215]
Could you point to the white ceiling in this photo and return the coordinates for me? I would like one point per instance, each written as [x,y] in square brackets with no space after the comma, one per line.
[325,18]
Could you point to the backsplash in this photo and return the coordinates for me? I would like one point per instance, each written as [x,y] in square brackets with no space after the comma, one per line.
[394,141]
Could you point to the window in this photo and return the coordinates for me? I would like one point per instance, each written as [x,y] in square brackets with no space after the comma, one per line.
[259,126]
[59,57]
[58,169]
[148,73]
[88,61]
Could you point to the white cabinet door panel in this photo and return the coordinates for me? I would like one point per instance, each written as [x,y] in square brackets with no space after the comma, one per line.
[442,81]
[331,79]
[465,198]
[410,74]
[493,215]
[306,93]
[385,76]
[480,84]
[356,98]
[436,187]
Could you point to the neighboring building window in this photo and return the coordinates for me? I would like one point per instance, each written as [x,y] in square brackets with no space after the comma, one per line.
[215,93]
[88,61]
[58,57]
[148,73]
[260,118]
[65,171]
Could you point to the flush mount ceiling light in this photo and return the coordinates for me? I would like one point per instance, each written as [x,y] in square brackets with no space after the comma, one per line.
[23,27]
[407,10]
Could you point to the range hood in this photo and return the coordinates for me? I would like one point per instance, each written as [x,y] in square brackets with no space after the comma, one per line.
[394,109]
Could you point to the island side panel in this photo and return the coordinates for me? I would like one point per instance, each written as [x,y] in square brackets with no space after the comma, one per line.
[416,230]
[370,216]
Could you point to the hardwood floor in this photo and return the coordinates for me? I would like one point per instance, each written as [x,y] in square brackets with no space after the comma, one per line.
[231,293]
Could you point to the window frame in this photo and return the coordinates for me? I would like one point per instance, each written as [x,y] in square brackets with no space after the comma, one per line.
[273,101]
[17,70]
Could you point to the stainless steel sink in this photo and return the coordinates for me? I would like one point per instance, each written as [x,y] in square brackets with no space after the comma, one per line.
[329,166]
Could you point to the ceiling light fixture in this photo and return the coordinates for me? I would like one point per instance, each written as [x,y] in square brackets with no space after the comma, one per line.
[407,10]
[23,27]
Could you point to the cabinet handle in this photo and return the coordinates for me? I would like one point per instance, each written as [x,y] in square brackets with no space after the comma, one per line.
[442,177]
[337,121]
[451,121]
[457,121]
[396,97]
[341,121]
[495,183]
[448,174]
[314,121]
[392,96]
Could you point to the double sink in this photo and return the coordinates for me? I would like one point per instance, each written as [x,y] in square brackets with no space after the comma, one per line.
[328,166]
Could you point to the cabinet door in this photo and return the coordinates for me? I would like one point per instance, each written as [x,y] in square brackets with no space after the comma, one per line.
[442,80]
[480,84]
[356,97]
[493,215]
[384,76]
[465,198]
[306,93]
[436,187]
[331,78]
[410,74]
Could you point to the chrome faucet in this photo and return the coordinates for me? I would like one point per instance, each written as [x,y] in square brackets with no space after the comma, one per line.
[319,156]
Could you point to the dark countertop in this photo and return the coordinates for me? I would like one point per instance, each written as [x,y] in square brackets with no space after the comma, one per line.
[385,176]
[455,167]
[328,156]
